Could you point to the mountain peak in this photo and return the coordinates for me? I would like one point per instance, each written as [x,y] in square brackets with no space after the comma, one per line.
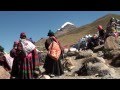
[66,24]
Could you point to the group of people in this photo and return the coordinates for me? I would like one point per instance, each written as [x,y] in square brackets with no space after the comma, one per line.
[89,42]
[25,65]
[26,61]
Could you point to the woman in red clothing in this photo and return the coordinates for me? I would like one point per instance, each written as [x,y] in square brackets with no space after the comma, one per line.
[27,64]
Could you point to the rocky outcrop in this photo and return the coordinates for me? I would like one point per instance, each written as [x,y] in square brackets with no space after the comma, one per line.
[84,54]
[111,43]
[98,48]
[116,61]
[4,74]
[95,66]
[110,54]
[69,63]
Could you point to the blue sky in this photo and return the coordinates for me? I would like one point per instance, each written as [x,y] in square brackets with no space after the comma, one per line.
[36,24]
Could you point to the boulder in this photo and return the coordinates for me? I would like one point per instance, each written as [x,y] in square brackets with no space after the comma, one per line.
[66,50]
[71,54]
[95,66]
[84,54]
[110,54]
[98,48]
[100,54]
[69,63]
[73,49]
[111,43]
[4,74]
[116,61]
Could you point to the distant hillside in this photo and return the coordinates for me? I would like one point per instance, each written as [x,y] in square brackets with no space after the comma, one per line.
[40,44]
[73,35]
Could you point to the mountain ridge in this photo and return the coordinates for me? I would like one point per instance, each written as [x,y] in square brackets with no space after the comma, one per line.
[72,36]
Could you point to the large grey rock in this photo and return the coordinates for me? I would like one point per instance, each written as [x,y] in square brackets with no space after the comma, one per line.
[72,53]
[100,54]
[99,48]
[66,50]
[110,54]
[69,63]
[111,43]
[4,74]
[84,54]
[95,66]
[116,61]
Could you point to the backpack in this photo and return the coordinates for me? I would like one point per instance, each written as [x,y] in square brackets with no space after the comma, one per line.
[54,50]
[27,46]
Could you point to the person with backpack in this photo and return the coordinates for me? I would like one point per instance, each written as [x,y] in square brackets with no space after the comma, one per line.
[53,66]
[28,63]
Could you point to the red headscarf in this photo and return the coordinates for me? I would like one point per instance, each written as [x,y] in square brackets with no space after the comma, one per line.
[100,27]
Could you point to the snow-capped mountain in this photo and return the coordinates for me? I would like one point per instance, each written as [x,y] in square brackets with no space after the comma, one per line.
[67,25]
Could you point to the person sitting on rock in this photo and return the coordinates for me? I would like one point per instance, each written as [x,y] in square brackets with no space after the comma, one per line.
[111,28]
[101,33]
[93,42]
[82,44]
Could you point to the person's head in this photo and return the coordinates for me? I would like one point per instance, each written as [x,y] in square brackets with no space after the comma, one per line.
[19,46]
[15,44]
[95,36]
[50,33]
[100,27]
[112,19]
[23,35]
